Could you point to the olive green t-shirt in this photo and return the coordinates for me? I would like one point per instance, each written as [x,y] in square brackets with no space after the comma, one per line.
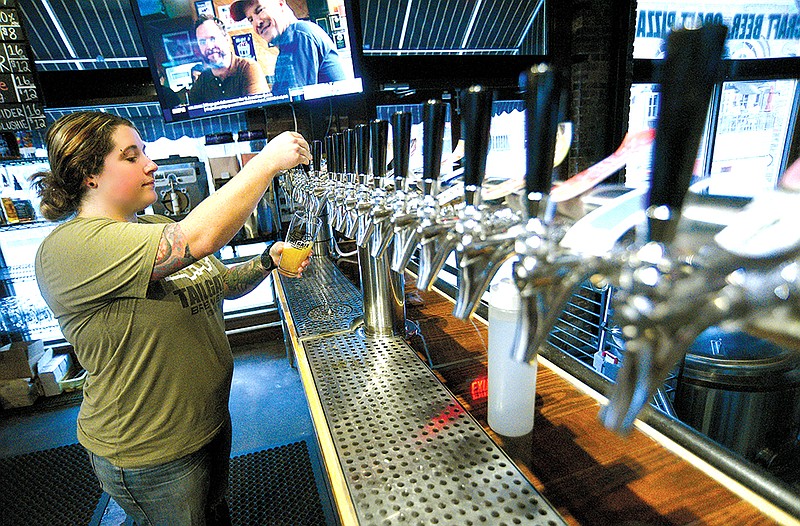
[159,364]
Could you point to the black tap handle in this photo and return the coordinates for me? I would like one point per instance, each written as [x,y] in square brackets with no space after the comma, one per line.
[350,148]
[379,133]
[340,149]
[329,155]
[362,141]
[316,153]
[433,114]
[476,117]
[693,63]
[401,146]
[542,91]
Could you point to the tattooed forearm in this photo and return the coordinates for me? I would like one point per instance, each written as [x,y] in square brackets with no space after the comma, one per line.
[173,253]
[243,278]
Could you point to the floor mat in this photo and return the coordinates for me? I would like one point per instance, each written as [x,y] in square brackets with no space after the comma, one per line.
[275,487]
[53,487]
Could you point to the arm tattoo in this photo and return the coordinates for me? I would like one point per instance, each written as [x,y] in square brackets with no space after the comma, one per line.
[173,253]
[243,278]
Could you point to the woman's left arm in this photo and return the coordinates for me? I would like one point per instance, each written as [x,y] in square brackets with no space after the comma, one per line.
[243,278]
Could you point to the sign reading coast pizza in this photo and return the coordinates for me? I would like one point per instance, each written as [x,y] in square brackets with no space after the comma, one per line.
[21,105]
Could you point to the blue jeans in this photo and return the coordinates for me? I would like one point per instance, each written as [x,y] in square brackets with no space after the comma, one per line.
[189,491]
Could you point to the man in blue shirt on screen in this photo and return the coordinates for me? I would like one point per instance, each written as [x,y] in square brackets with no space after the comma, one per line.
[307,54]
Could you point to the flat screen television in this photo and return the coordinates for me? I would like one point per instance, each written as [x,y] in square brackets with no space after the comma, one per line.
[226,65]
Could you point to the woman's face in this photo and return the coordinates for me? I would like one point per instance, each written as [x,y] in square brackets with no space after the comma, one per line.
[126,182]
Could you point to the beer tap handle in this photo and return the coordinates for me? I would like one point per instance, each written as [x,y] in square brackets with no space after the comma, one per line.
[340,148]
[362,148]
[316,154]
[542,92]
[379,133]
[350,150]
[692,65]
[476,115]
[401,146]
[330,154]
[432,144]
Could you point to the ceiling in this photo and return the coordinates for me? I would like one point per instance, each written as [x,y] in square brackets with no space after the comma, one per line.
[453,27]
[82,34]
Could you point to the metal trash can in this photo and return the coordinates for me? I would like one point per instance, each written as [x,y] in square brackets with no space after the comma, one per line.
[741,391]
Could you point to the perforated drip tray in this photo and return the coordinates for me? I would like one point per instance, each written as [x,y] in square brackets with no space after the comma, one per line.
[410,452]
[323,301]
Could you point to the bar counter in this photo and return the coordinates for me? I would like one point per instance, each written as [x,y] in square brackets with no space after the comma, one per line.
[405,443]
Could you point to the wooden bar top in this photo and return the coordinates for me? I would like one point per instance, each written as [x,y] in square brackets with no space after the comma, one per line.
[590,475]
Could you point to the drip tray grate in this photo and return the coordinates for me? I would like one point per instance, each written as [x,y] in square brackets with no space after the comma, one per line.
[309,297]
[411,453]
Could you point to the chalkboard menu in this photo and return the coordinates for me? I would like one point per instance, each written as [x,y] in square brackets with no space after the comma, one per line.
[21,105]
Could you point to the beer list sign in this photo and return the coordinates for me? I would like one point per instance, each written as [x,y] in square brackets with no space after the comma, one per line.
[21,106]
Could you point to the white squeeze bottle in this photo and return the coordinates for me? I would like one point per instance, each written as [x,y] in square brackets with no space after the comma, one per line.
[512,385]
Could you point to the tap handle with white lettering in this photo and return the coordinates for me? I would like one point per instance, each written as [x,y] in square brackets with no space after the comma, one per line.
[476,118]
[433,114]
[379,133]
[691,67]
[541,85]
[401,146]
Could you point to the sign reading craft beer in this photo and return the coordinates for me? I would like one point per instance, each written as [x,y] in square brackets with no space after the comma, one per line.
[21,106]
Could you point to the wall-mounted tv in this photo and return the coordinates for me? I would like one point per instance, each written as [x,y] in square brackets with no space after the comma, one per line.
[209,57]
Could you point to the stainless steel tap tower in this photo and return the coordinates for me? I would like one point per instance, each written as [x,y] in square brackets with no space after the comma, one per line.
[384,289]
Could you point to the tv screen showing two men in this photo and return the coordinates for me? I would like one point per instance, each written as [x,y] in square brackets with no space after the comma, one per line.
[209,58]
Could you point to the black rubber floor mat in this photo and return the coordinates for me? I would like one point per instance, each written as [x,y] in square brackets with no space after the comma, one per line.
[53,487]
[275,487]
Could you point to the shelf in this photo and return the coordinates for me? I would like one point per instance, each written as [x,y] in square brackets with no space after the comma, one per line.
[25,225]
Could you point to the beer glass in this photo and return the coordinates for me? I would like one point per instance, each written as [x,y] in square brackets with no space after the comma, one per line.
[299,239]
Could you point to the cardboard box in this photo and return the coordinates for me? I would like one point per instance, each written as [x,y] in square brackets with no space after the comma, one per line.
[19,359]
[19,392]
[52,370]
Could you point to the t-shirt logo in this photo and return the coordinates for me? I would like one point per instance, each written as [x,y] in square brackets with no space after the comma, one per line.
[199,286]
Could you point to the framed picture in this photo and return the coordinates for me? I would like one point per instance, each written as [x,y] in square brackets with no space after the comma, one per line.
[204,8]
[243,46]
[339,39]
[323,23]
[334,21]
[177,46]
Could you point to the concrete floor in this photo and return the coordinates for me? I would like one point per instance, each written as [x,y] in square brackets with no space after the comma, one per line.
[268,408]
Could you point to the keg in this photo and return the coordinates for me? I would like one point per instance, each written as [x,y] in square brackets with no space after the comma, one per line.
[741,391]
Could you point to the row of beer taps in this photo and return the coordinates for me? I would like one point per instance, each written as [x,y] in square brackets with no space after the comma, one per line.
[742,273]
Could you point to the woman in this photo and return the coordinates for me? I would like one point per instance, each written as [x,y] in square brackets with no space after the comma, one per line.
[140,299]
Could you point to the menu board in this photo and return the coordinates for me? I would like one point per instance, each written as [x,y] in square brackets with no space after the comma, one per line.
[21,105]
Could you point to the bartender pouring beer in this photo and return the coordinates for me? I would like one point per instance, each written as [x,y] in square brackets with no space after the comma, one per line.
[140,299]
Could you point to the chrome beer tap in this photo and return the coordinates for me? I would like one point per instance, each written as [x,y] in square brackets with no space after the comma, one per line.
[489,240]
[340,188]
[374,140]
[406,233]
[351,199]
[440,234]
[396,200]
[390,198]
[658,301]
[316,190]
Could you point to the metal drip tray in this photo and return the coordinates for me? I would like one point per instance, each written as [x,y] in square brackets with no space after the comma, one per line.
[323,301]
[410,452]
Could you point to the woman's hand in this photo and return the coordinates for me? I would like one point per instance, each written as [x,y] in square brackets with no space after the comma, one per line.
[276,250]
[285,151]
